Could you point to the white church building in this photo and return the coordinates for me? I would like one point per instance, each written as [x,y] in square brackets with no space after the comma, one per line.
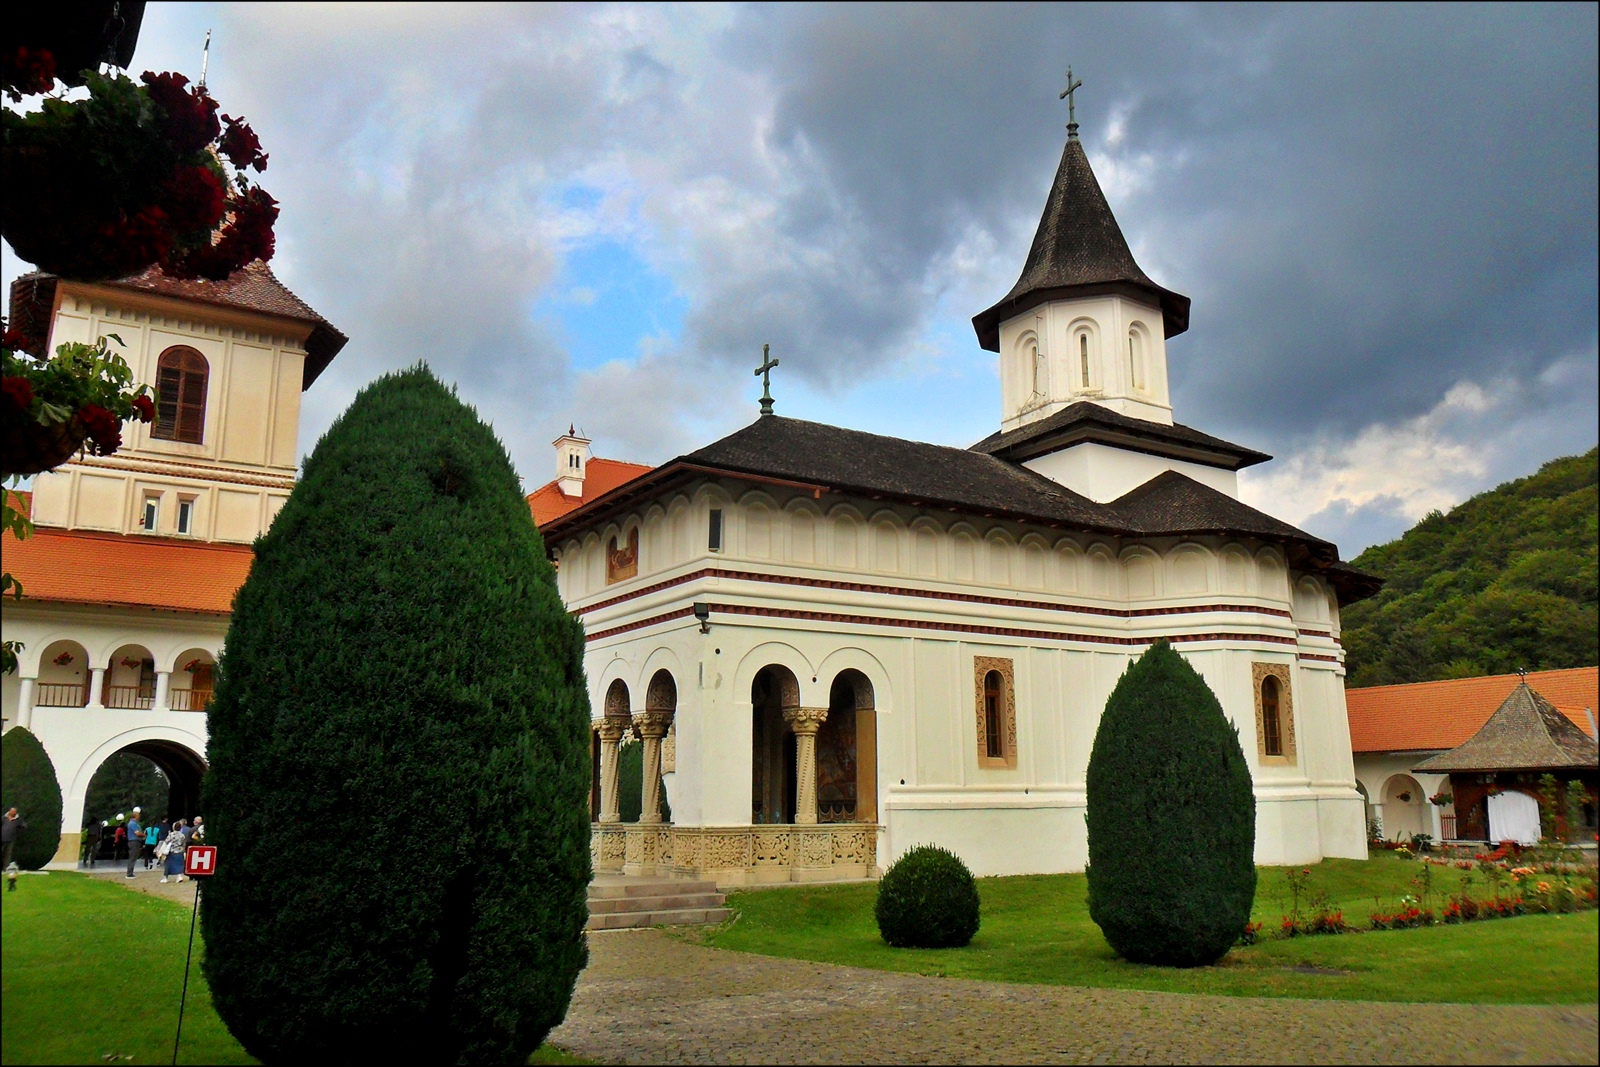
[835,645]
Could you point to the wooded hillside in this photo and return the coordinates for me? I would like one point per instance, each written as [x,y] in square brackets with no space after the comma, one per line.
[1505,580]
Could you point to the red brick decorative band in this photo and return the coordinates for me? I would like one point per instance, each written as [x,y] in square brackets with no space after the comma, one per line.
[924,624]
[930,594]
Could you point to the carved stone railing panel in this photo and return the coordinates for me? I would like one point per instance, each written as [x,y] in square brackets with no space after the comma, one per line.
[735,855]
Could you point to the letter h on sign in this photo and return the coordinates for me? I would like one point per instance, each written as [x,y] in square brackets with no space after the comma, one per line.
[200,860]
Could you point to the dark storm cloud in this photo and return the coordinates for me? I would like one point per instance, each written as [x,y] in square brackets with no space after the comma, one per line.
[1368,204]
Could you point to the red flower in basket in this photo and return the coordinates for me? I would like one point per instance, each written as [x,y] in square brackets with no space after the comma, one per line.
[19,391]
[145,407]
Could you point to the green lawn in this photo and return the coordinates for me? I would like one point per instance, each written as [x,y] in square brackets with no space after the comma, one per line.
[1037,929]
[92,971]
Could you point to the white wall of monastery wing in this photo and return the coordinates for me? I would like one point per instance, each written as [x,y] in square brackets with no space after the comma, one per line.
[1108,349]
[912,601]
[1399,796]
[82,720]
[240,472]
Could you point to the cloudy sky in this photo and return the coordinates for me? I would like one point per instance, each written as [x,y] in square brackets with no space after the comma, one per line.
[1386,217]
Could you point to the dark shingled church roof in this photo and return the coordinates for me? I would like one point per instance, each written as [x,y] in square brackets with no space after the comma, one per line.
[1078,250]
[1527,733]
[852,460]
[1088,421]
[815,456]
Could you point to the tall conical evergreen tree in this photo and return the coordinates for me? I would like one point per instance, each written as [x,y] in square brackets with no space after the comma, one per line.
[1171,818]
[399,748]
[30,786]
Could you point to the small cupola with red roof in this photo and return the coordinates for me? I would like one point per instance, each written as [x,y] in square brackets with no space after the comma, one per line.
[572,462]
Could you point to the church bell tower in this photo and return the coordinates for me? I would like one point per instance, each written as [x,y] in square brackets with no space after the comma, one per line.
[1083,322]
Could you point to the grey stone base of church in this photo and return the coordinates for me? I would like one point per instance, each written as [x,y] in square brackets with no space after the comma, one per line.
[738,855]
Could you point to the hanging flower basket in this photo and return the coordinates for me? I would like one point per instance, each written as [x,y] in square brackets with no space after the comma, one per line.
[29,448]
[194,665]
[132,175]
[63,659]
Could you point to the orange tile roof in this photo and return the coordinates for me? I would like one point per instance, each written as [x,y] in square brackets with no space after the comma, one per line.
[78,567]
[600,477]
[1428,716]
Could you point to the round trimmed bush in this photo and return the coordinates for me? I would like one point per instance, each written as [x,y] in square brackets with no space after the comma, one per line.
[399,746]
[30,786]
[1171,818]
[927,899]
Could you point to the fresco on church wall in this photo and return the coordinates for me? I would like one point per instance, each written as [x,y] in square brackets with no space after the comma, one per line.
[836,766]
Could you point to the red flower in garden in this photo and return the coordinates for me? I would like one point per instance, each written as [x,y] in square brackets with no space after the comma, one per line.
[104,429]
[145,407]
[194,199]
[191,115]
[18,390]
[241,146]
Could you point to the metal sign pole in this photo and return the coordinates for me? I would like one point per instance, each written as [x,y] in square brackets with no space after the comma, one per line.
[193,920]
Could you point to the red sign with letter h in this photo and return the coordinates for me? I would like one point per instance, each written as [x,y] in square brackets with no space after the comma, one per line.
[200,860]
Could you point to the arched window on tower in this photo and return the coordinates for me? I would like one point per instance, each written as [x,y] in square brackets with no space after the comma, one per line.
[1083,357]
[1135,372]
[1041,373]
[1271,719]
[181,375]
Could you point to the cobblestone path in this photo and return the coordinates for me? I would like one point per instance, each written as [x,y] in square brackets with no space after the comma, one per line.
[648,998]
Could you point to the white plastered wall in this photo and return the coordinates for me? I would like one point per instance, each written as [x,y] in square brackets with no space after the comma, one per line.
[1107,323]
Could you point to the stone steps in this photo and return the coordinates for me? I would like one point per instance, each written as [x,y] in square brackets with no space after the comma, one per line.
[632,903]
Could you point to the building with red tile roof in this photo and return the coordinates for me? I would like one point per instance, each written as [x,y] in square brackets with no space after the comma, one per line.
[1395,728]
[579,479]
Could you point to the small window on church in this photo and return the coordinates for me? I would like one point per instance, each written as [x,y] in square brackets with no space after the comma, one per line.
[186,516]
[992,709]
[181,375]
[1134,379]
[1083,357]
[997,713]
[1271,732]
[714,533]
[1274,713]
[152,513]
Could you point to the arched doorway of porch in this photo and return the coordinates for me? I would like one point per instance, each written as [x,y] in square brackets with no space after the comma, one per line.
[162,777]
[847,752]
[773,692]
[1403,804]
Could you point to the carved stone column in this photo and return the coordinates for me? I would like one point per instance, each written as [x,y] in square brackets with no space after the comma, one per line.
[611,730]
[805,722]
[652,725]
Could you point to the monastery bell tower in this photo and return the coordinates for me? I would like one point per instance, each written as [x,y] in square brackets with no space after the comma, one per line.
[1083,322]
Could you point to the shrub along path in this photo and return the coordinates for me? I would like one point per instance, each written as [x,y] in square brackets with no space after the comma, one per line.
[648,997]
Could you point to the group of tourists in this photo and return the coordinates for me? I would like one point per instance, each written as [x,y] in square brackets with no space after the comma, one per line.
[160,843]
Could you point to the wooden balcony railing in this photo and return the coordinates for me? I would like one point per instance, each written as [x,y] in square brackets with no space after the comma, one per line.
[61,695]
[131,697]
[190,699]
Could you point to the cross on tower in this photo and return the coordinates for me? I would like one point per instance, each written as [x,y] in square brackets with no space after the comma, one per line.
[767,363]
[1066,94]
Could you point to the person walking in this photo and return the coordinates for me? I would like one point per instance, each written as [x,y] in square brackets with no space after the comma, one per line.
[171,851]
[14,824]
[197,832]
[91,842]
[135,840]
[152,838]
